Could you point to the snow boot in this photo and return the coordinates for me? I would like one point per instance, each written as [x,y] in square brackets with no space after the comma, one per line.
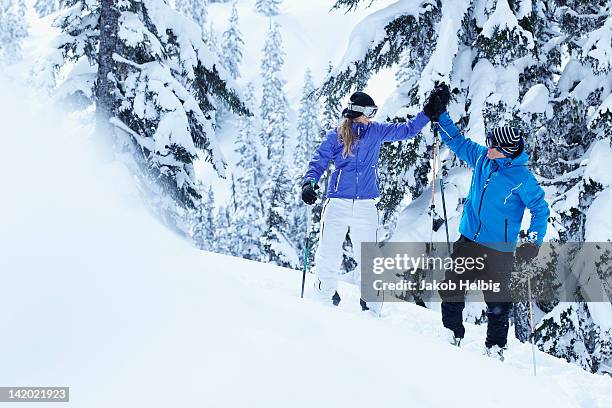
[336,299]
[495,352]
[363,305]
[449,336]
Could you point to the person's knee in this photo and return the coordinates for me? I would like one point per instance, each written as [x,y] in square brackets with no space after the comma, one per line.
[499,310]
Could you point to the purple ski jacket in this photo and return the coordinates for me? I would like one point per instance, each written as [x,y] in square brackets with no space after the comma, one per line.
[356,176]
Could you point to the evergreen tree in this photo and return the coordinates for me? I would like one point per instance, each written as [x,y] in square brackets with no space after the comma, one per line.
[249,198]
[276,244]
[232,45]
[571,332]
[225,241]
[308,126]
[154,90]
[13,30]
[274,103]
[45,7]
[204,224]
[308,138]
[197,10]
[267,7]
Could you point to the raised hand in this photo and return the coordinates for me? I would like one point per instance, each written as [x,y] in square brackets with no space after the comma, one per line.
[437,102]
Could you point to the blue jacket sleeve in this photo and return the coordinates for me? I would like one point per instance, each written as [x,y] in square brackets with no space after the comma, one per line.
[532,196]
[466,149]
[393,132]
[320,160]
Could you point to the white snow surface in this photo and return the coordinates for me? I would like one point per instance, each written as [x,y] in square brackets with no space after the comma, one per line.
[536,99]
[99,296]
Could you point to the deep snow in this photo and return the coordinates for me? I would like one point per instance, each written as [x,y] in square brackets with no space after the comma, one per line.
[99,296]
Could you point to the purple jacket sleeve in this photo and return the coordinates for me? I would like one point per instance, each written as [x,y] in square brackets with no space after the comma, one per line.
[393,132]
[320,161]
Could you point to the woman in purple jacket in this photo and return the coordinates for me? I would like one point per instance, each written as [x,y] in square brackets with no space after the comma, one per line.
[354,147]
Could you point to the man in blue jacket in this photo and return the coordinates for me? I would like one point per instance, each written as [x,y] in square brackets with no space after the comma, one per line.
[502,187]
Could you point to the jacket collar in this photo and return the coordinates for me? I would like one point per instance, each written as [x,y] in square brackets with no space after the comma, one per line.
[360,128]
[521,160]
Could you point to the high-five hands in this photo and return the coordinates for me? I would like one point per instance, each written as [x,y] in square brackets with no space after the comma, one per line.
[437,102]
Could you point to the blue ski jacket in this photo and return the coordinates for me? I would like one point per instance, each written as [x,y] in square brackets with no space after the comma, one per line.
[356,176]
[500,191]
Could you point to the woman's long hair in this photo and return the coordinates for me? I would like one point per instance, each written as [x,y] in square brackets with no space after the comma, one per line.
[346,136]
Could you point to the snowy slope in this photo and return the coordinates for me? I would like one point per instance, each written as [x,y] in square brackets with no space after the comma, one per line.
[99,296]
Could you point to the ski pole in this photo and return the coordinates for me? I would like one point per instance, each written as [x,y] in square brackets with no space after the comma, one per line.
[436,136]
[533,354]
[432,208]
[306,248]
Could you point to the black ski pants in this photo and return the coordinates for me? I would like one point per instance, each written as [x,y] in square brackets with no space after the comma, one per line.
[497,268]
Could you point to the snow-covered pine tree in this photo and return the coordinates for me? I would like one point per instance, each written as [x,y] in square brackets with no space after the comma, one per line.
[268,8]
[197,10]
[582,116]
[155,82]
[225,238]
[45,7]
[13,30]
[308,125]
[571,331]
[274,104]
[232,45]
[204,229]
[248,220]
[277,245]
[308,139]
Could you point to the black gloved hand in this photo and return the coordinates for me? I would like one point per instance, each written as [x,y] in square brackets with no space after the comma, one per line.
[437,102]
[309,194]
[527,251]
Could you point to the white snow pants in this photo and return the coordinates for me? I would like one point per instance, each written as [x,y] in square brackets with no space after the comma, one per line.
[340,214]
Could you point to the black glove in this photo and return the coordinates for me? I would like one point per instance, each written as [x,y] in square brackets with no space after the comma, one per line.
[527,251]
[437,102]
[309,195]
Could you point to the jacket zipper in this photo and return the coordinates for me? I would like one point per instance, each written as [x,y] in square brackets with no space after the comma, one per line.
[484,190]
[377,180]
[357,164]
[506,230]
[338,180]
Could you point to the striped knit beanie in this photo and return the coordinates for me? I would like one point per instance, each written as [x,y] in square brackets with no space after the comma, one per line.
[507,139]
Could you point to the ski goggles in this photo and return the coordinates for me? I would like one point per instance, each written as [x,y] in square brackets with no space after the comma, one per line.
[369,111]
